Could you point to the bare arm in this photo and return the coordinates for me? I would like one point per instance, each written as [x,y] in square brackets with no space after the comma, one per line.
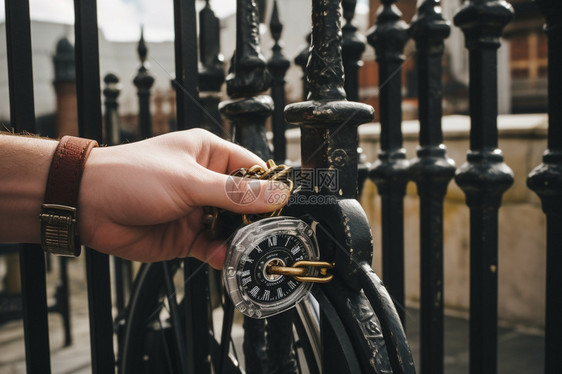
[24,168]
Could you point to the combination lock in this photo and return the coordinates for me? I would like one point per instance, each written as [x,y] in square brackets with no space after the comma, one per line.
[271,264]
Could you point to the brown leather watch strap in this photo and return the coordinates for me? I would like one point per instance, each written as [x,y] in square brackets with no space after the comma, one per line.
[58,213]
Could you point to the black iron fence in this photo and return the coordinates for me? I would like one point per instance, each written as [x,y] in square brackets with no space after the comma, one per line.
[484,177]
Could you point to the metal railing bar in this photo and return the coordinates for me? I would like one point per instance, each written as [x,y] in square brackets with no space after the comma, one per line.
[90,126]
[390,171]
[175,316]
[198,315]
[545,181]
[143,81]
[278,65]
[187,77]
[484,177]
[432,171]
[211,76]
[353,46]
[189,116]
[32,258]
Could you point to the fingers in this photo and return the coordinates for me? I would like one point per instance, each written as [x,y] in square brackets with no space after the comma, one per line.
[225,156]
[240,195]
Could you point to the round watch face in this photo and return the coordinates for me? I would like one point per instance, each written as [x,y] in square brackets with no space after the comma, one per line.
[279,241]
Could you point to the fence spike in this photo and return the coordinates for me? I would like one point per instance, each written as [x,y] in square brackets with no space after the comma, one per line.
[211,76]
[278,65]
[111,93]
[247,79]
[353,46]
[144,81]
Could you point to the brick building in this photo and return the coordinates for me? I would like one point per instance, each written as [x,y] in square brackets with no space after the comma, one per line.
[528,58]
[522,62]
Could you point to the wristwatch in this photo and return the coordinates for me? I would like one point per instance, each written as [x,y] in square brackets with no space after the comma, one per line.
[59,212]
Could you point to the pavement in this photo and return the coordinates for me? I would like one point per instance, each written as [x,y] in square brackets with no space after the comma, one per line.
[520,348]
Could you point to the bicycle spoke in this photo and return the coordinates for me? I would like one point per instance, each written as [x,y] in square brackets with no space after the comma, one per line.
[297,344]
[156,297]
[175,316]
[166,348]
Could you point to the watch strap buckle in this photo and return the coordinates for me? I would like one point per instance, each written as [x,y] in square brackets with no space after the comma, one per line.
[58,227]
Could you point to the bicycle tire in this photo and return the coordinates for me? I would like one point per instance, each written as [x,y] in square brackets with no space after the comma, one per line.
[347,319]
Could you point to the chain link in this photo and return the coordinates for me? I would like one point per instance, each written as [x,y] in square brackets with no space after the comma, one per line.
[302,271]
[272,172]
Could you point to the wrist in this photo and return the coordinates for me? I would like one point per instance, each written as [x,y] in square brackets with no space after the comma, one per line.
[59,234]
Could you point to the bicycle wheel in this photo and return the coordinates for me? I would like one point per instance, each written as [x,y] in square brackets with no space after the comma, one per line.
[155,338]
[151,343]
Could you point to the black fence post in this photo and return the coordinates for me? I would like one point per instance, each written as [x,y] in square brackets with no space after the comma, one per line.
[64,62]
[301,60]
[111,92]
[90,126]
[484,177]
[144,81]
[546,181]
[432,171]
[390,171]
[211,76]
[328,122]
[62,305]
[65,86]
[249,77]
[353,46]
[247,113]
[278,66]
[188,111]
[22,117]
[186,82]
[122,269]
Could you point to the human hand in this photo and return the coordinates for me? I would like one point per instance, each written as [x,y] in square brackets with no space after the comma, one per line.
[143,201]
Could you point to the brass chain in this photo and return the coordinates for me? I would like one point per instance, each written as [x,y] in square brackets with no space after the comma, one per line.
[272,172]
[302,271]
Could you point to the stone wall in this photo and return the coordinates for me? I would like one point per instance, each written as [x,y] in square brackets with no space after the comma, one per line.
[522,228]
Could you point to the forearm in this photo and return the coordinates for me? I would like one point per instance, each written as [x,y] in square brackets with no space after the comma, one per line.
[24,167]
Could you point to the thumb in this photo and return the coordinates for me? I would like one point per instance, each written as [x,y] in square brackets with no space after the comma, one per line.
[241,195]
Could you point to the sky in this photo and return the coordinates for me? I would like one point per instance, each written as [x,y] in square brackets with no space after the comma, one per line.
[120,20]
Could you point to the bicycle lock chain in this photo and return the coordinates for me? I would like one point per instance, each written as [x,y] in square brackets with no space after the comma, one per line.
[300,270]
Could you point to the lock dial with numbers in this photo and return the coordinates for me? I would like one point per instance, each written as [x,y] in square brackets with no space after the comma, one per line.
[279,241]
